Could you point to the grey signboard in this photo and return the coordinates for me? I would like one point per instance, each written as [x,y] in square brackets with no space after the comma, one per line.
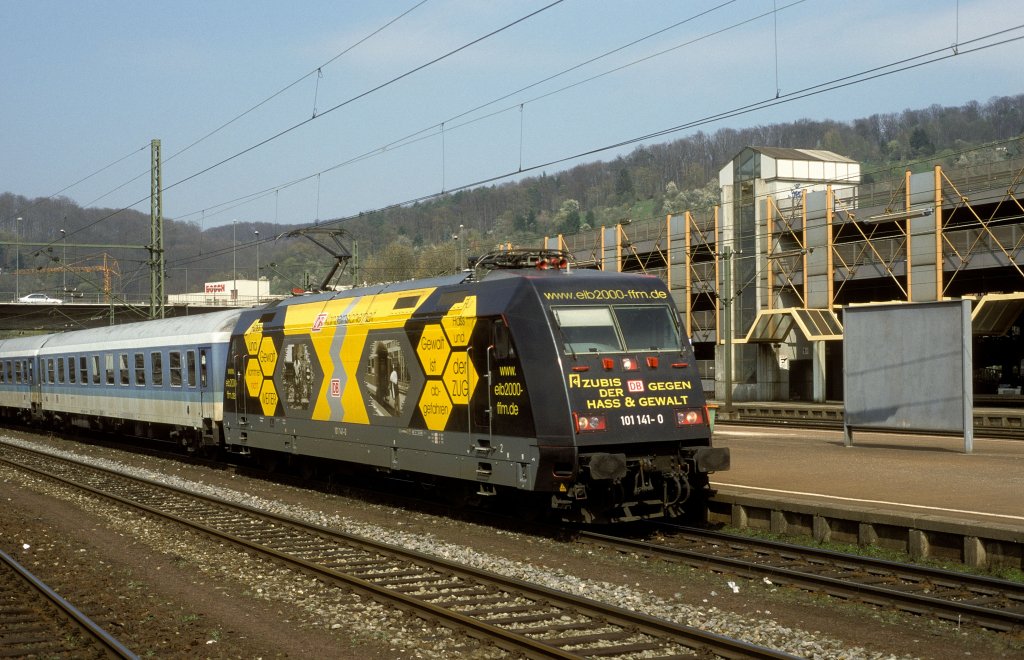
[907,367]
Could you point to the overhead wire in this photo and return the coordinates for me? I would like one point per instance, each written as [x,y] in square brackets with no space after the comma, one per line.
[352,99]
[318,70]
[428,132]
[845,81]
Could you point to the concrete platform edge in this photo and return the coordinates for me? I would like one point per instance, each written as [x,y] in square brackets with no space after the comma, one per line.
[926,536]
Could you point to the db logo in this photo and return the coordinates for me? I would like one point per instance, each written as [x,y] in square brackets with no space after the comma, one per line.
[318,323]
[335,387]
[635,385]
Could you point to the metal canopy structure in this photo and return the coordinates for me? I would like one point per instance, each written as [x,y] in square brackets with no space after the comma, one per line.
[772,326]
[995,313]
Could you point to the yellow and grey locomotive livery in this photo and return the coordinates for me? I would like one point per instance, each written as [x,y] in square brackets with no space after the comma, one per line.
[522,375]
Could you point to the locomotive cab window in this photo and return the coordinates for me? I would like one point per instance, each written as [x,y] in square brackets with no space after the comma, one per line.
[647,328]
[617,328]
[587,329]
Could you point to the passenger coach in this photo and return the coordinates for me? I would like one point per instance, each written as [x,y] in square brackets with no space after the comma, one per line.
[156,379]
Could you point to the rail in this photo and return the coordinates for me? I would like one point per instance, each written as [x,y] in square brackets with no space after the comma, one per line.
[524,618]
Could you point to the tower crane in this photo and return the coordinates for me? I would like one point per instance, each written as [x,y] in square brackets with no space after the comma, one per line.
[109,268]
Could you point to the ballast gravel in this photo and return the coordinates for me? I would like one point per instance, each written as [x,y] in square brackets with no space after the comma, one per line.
[306,602]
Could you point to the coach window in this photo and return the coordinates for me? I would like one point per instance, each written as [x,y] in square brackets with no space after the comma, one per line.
[60,370]
[123,364]
[140,369]
[203,380]
[72,374]
[174,359]
[191,356]
[10,372]
[157,362]
[96,370]
[50,371]
[17,371]
[83,370]
[108,364]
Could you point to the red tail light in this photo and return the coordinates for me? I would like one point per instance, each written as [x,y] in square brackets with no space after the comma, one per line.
[689,417]
[607,363]
[652,361]
[586,423]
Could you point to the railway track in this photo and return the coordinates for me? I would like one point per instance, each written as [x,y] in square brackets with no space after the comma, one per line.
[36,622]
[528,619]
[958,597]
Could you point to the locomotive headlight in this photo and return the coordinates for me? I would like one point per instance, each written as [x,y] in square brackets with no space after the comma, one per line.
[586,423]
[689,417]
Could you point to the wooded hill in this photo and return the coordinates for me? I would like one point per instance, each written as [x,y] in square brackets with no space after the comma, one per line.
[420,240]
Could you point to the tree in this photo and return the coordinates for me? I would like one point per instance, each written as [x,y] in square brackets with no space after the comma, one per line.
[567,220]
[395,263]
[700,199]
[438,259]
[624,185]
[920,143]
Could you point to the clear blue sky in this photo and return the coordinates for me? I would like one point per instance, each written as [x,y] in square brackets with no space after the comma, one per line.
[87,84]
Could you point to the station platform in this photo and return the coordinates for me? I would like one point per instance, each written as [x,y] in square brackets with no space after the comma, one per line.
[919,493]
[1005,420]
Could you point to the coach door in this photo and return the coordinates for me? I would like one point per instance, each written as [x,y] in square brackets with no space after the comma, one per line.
[32,375]
[206,402]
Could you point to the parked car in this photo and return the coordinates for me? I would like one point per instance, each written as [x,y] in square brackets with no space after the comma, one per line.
[40,299]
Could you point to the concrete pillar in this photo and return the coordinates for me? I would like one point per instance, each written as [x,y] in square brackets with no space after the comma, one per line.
[779,524]
[866,534]
[739,516]
[821,530]
[818,368]
[917,544]
[974,552]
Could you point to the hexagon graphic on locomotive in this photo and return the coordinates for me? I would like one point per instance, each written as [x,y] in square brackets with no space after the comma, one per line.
[388,377]
[299,376]
[442,349]
[259,362]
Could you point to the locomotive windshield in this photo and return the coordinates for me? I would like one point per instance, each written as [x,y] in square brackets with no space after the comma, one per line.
[603,329]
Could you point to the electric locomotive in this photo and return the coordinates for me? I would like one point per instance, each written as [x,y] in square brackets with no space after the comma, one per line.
[524,375]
